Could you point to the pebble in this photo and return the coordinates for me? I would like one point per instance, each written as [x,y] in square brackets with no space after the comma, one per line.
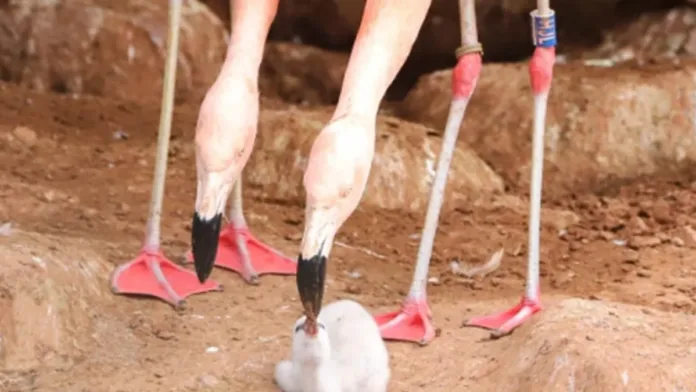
[676,241]
[661,212]
[26,135]
[209,380]
[638,242]
[352,289]
[631,257]
[687,235]
[90,212]
[48,196]
[638,225]
[563,279]
[164,334]
[6,229]
[121,135]
[606,235]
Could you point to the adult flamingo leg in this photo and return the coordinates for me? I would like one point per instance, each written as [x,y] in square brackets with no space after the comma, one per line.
[225,135]
[413,322]
[240,251]
[541,74]
[150,273]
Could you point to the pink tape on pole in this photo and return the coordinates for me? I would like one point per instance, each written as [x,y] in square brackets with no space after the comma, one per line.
[541,69]
[465,75]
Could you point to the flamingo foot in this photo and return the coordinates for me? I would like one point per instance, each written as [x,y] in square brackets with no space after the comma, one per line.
[150,273]
[504,323]
[261,259]
[412,323]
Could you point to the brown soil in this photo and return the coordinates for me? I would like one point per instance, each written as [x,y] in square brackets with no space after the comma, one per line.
[618,316]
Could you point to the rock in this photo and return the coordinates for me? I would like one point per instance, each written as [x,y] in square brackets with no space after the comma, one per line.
[687,235]
[562,279]
[663,34]
[402,171]
[561,219]
[301,74]
[638,242]
[209,381]
[631,256]
[638,225]
[25,135]
[585,345]
[676,241]
[661,212]
[610,123]
[53,311]
[48,196]
[109,48]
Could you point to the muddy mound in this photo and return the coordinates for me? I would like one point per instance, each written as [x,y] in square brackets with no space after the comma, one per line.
[52,293]
[403,167]
[113,48]
[583,345]
[602,124]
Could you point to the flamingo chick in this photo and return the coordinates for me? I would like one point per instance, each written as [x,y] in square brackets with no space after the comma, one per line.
[341,350]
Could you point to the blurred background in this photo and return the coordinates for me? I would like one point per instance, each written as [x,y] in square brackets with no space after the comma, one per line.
[115,48]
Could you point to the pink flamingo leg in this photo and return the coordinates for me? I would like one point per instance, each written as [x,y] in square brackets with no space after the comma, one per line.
[150,273]
[413,322]
[541,74]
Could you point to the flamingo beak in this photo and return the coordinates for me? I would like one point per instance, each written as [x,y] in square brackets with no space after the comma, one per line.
[311,263]
[205,234]
[211,197]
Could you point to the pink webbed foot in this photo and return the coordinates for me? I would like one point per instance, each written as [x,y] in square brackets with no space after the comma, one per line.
[150,273]
[504,323]
[260,260]
[412,323]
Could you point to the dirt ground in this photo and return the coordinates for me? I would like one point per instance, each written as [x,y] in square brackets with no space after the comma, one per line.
[618,277]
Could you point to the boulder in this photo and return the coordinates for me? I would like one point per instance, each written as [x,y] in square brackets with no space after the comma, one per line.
[110,48]
[657,35]
[403,166]
[51,303]
[602,124]
[301,74]
[580,345]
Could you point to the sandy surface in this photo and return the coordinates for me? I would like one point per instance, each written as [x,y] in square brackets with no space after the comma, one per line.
[617,272]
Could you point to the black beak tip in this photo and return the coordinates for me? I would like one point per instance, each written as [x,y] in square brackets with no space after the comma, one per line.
[311,274]
[205,234]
